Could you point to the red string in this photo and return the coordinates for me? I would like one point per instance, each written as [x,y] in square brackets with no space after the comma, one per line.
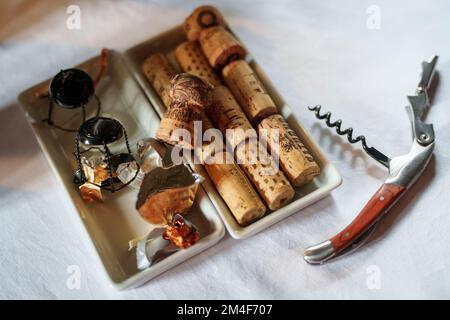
[102,67]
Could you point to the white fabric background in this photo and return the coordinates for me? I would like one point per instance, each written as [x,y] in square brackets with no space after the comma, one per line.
[315,52]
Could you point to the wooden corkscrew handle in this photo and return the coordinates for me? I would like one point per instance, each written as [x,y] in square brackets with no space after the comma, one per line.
[381,201]
[386,196]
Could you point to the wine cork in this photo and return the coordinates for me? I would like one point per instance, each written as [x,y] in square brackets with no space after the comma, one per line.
[249,91]
[263,172]
[201,18]
[159,72]
[191,90]
[228,117]
[237,191]
[232,184]
[192,60]
[220,46]
[206,122]
[295,160]
[204,148]
[178,116]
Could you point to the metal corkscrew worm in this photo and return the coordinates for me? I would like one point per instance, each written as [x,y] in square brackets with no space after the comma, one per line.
[371,151]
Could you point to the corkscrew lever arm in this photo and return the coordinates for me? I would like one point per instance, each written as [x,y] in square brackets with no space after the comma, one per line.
[403,172]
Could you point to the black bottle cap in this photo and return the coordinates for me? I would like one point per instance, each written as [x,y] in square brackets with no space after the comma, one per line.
[100,130]
[71,88]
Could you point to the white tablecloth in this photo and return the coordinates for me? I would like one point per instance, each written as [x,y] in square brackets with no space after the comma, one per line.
[328,52]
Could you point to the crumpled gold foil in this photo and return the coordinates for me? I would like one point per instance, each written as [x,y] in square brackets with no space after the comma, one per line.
[95,171]
[165,192]
[162,242]
[90,193]
[181,233]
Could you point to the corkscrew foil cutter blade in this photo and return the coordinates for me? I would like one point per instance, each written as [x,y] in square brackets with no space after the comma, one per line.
[403,172]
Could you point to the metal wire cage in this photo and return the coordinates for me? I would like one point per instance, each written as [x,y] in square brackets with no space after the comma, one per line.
[70,89]
[99,132]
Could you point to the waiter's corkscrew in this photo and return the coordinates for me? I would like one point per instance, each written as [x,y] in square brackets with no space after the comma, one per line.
[404,170]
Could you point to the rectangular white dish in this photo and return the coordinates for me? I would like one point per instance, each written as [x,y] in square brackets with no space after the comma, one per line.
[322,185]
[113,223]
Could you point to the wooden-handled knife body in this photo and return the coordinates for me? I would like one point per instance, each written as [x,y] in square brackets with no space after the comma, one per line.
[403,172]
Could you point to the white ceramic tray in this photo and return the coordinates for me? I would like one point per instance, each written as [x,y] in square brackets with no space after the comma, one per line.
[113,223]
[322,185]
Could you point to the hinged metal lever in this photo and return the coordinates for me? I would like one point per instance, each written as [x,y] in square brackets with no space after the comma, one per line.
[418,104]
[422,132]
[427,76]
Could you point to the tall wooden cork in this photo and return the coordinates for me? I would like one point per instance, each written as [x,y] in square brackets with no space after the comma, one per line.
[178,116]
[249,91]
[201,18]
[188,96]
[207,148]
[237,192]
[220,46]
[269,180]
[192,60]
[159,72]
[295,160]
[228,117]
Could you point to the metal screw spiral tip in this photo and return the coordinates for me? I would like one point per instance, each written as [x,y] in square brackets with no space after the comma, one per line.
[337,124]
[374,153]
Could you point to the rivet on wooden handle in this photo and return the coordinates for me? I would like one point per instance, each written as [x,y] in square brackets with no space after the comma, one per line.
[383,199]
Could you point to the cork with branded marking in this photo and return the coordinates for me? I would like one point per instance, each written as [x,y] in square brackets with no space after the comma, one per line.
[207,147]
[236,191]
[295,159]
[264,173]
[227,115]
[178,116]
[201,18]
[220,46]
[192,60]
[248,91]
[158,71]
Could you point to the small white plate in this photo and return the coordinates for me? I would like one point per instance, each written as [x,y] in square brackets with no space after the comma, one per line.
[322,185]
[113,223]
